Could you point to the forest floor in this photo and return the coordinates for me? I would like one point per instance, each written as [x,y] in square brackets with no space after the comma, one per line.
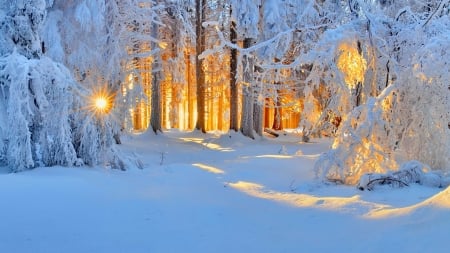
[191,192]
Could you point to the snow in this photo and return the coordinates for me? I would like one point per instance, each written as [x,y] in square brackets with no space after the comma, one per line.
[214,193]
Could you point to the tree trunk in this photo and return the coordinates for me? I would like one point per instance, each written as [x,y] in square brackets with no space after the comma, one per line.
[267,112]
[278,111]
[200,73]
[247,98]
[220,118]
[357,95]
[234,94]
[191,119]
[358,90]
[155,117]
[258,114]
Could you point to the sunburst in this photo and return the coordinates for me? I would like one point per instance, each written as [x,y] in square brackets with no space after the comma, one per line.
[101,102]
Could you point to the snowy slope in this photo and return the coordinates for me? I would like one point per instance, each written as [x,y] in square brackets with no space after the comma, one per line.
[207,193]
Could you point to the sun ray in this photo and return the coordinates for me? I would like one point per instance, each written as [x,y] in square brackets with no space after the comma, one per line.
[100,102]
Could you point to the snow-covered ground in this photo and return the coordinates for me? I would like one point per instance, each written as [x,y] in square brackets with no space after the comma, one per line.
[208,193]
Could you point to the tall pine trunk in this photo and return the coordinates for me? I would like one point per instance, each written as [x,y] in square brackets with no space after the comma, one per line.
[278,111]
[200,72]
[258,120]
[234,93]
[155,117]
[190,92]
[247,127]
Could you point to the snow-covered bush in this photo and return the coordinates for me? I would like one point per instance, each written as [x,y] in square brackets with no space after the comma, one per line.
[412,172]
[360,147]
[93,138]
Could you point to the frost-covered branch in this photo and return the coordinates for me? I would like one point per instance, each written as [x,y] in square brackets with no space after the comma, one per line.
[225,43]
[440,7]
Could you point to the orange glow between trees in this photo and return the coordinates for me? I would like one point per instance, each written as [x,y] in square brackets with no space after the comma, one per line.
[179,93]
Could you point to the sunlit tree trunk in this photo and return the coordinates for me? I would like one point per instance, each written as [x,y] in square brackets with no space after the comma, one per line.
[209,110]
[221,109]
[267,113]
[247,127]
[356,95]
[278,111]
[357,91]
[200,72]
[155,118]
[234,92]
[190,93]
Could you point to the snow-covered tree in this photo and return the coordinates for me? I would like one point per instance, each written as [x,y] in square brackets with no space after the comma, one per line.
[105,44]
[408,120]
[36,90]
[420,108]
[22,25]
[246,15]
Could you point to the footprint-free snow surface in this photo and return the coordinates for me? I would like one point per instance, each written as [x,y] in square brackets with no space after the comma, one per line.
[190,192]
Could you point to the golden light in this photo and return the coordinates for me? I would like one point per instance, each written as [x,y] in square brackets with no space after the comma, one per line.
[299,199]
[162,45]
[207,144]
[101,102]
[208,168]
[352,64]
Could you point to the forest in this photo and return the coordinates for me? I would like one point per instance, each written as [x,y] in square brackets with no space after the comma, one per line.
[374,75]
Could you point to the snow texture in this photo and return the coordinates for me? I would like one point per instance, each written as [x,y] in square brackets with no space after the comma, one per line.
[208,193]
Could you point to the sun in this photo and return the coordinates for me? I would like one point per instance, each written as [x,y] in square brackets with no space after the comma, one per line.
[101,102]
